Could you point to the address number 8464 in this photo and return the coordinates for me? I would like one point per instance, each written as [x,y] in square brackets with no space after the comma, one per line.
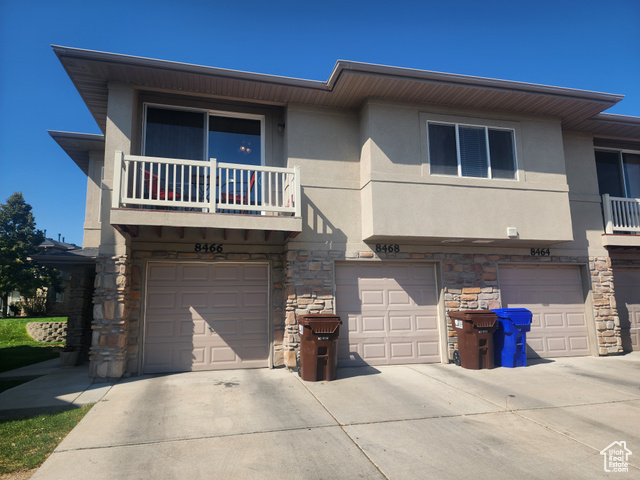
[540,252]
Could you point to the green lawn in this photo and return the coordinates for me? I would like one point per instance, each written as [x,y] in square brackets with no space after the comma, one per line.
[18,349]
[26,443]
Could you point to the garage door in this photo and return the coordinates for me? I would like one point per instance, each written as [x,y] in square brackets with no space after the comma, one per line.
[555,296]
[202,316]
[389,314]
[627,287]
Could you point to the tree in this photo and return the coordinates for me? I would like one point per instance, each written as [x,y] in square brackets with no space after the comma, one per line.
[19,241]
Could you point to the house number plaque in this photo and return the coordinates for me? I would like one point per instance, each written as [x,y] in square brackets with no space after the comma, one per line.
[391,248]
[540,252]
[208,247]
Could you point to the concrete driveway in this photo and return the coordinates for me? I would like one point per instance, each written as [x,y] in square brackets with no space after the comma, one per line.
[548,420]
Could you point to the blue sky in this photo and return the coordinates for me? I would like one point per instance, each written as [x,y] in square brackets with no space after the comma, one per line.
[586,44]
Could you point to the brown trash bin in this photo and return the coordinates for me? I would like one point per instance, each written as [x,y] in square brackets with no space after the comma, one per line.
[475,337]
[318,346]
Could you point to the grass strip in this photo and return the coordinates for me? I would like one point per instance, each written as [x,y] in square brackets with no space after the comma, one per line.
[18,349]
[26,443]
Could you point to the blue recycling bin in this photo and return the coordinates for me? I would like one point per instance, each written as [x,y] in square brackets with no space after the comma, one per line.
[510,337]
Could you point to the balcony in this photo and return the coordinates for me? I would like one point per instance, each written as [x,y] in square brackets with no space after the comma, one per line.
[166,192]
[622,221]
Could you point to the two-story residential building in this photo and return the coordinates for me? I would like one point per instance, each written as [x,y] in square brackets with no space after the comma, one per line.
[226,203]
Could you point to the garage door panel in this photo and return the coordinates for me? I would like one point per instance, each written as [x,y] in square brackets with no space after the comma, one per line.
[162,300]
[373,351]
[555,297]
[193,299]
[161,329]
[191,328]
[427,323]
[390,314]
[163,272]
[254,299]
[579,343]
[205,316]
[373,299]
[255,325]
[553,320]
[399,299]
[400,323]
[371,324]
[402,350]
[227,273]
[190,355]
[195,273]
[576,320]
[429,350]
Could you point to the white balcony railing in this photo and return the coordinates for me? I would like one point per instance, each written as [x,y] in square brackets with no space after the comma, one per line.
[191,185]
[621,215]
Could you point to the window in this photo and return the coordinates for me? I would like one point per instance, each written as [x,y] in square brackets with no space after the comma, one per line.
[201,135]
[618,173]
[471,151]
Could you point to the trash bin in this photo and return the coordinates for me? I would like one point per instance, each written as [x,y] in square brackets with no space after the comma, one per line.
[510,336]
[475,338]
[318,346]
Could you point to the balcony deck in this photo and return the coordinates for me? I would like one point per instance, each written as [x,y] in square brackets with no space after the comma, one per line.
[165,192]
[622,221]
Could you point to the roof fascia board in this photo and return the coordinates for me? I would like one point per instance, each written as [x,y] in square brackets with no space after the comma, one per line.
[470,81]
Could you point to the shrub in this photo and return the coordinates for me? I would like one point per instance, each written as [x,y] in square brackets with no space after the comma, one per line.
[36,306]
[15,308]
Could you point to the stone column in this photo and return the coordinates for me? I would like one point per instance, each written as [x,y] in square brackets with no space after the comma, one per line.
[604,306]
[309,289]
[110,327]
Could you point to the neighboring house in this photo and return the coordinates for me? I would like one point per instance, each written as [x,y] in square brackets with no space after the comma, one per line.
[223,204]
[60,304]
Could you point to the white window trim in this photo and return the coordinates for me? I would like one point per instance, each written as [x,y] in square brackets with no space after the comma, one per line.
[206,114]
[486,128]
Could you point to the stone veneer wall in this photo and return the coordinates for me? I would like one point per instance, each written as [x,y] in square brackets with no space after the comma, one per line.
[110,328]
[308,289]
[470,282]
[139,257]
[604,306]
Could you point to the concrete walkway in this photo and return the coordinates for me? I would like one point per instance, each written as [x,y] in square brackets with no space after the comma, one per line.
[548,420]
[53,389]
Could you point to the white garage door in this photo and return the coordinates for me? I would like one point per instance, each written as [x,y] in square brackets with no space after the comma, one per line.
[555,296]
[389,314]
[203,316]
[627,287]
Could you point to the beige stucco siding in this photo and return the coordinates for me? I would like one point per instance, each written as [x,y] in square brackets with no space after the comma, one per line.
[465,212]
[325,144]
[401,199]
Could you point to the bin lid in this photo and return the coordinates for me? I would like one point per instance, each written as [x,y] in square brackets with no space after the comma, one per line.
[480,318]
[320,322]
[519,316]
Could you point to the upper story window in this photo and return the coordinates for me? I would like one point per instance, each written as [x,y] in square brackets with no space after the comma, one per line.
[618,173]
[201,135]
[471,151]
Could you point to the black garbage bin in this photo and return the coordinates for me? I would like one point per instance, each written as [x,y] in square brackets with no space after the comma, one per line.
[319,346]
[475,338]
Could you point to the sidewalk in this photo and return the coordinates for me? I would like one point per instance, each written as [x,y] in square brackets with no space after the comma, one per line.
[54,389]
